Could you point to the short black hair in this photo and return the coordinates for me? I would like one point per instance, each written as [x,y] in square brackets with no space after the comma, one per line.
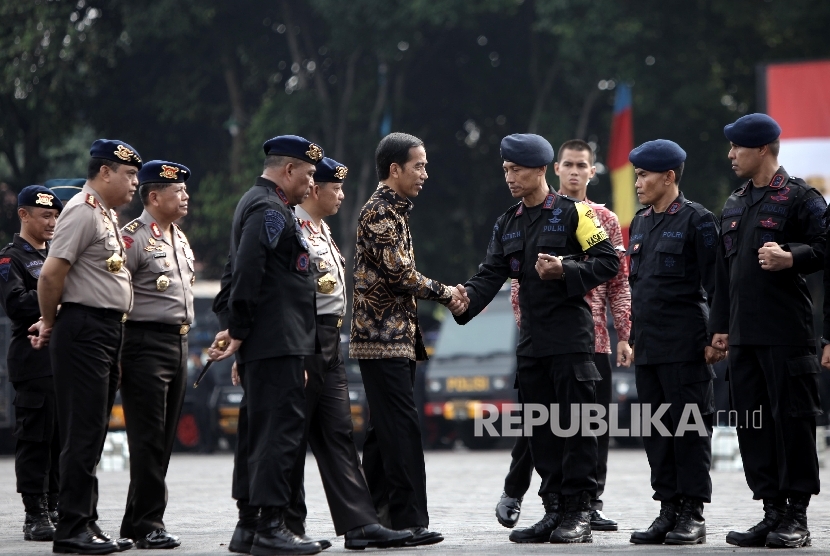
[394,149]
[95,164]
[278,161]
[576,145]
[678,173]
[146,188]
[774,147]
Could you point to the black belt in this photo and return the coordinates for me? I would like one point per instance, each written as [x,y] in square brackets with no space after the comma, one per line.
[109,314]
[330,320]
[178,329]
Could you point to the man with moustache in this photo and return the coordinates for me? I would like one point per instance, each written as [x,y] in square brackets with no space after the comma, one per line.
[557,249]
[575,169]
[30,372]
[154,355]
[85,273]
[386,339]
[328,428]
[267,304]
[772,230]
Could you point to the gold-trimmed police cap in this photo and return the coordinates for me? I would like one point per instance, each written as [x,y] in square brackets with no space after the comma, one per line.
[295,147]
[330,171]
[162,171]
[117,151]
[38,196]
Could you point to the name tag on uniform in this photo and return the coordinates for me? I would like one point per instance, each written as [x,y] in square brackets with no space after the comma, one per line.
[159,255]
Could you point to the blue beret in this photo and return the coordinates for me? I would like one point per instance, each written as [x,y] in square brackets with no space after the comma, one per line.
[65,189]
[527,149]
[752,130]
[117,151]
[161,171]
[330,171]
[39,196]
[295,147]
[659,155]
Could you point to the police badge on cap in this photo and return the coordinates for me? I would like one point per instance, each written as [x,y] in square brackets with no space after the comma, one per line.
[39,196]
[162,171]
[330,171]
[295,147]
[117,151]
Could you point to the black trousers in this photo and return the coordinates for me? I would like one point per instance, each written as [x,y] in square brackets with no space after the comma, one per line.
[85,348]
[679,464]
[271,425]
[567,465]
[38,448]
[521,464]
[153,381]
[393,456]
[774,390]
[329,432]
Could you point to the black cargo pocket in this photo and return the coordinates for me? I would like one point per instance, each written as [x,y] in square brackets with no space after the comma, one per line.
[514,253]
[802,384]
[729,235]
[30,416]
[551,244]
[586,370]
[670,260]
[768,230]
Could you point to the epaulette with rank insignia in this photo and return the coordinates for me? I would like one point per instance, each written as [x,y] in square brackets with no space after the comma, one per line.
[134,225]
[90,201]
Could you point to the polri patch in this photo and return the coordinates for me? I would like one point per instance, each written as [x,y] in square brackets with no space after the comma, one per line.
[302,262]
[274,224]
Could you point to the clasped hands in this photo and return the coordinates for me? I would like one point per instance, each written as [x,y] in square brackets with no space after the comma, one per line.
[718,350]
[460,301]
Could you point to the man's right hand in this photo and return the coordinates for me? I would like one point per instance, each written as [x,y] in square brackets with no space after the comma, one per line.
[460,300]
[720,341]
[713,355]
[825,357]
[223,346]
[41,339]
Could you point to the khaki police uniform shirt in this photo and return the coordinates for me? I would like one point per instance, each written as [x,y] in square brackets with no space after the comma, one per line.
[162,270]
[327,265]
[87,237]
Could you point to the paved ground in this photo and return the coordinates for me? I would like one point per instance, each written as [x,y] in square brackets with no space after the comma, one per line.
[463,489]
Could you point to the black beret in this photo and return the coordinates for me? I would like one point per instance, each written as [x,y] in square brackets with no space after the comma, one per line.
[65,189]
[659,155]
[527,149]
[330,171]
[752,130]
[295,147]
[39,196]
[161,171]
[117,151]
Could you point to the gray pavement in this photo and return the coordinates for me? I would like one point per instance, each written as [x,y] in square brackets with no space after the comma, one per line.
[463,489]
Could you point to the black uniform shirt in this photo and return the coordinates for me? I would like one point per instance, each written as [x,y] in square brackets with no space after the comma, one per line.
[756,306]
[267,296]
[20,265]
[556,319]
[672,280]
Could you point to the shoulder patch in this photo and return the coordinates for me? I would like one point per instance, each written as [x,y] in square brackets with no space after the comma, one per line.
[90,201]
[128,241]
[274,224]
[133,226]
[5,266]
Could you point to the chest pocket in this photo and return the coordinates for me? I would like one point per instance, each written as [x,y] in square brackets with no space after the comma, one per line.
[729,234]
[633,253]
[768,229]
[552,244]
[514,252]
[670,261]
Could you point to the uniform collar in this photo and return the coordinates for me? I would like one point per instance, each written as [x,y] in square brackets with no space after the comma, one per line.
[400,204]
[672,209]
[305,219]
[25,245]
[779,180]
[268,184]
[87,190]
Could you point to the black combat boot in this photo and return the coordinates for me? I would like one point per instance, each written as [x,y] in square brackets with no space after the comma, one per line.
[756,535]
[273,537]
[792,532]
[243,534]
[508,510]
[52,506]
[540,532]
[37,526]
[690,527]
[660,527]
[576,521]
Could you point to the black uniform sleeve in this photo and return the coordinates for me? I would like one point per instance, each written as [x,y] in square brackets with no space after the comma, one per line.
[719,307]
[489,279]
[602,262]
[808,257]
[826,329]
[248,270]
[220,302]
[706,236]
[20,305]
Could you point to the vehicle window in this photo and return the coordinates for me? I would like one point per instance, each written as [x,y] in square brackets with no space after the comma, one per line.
[492,332]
